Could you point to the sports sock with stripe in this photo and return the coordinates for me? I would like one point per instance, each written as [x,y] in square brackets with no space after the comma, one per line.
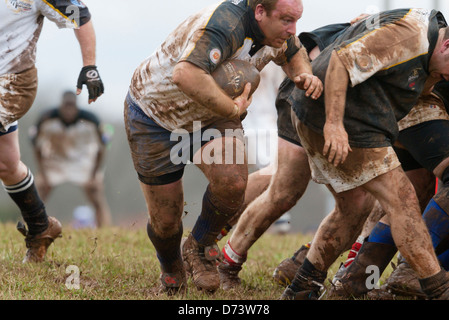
[214,216]
[26,197]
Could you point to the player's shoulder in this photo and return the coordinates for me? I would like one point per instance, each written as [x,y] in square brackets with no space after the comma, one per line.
[229,14]
[88,116]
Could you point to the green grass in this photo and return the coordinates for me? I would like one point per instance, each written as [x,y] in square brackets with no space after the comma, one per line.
[121,264]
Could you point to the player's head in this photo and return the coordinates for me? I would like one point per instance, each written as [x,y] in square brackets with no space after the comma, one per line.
[68,108]
[277,19]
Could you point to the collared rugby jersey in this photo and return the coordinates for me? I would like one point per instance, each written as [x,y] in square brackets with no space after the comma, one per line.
[227,30]
[21,23]
[386,57]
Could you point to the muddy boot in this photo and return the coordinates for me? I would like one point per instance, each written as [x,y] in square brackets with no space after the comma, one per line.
[38,244]
[353,282]
[404,281]
[286,270]
[306,285]
[201,263]
[229,275]
[173,283]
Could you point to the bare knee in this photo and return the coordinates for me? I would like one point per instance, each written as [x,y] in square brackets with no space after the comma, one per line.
[12,170]
[230,188]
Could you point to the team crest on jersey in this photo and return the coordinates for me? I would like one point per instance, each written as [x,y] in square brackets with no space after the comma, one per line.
[215,55]
[20,6]
[413,77]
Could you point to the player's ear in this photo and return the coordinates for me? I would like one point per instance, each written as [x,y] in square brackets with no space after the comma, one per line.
[445,46]
[259,12]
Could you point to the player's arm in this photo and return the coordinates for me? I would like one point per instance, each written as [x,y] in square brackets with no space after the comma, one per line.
[336,145]
[199,85]
[75,15]
[89,74]
[299,70]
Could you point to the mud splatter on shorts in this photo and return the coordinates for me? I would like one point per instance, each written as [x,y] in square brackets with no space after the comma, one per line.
[361,165]
[17,93]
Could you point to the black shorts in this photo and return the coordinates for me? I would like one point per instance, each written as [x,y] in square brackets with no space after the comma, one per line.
[427,145]
[286,130]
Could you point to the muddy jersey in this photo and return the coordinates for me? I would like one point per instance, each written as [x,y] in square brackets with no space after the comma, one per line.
[68,150]
[21,23]
[386,57]
[227,30]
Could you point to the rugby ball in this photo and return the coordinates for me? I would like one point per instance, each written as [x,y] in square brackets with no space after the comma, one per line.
[233,75]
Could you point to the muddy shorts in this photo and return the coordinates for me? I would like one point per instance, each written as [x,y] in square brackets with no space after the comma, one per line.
[160,155]
[361,166]
[17,93]
[427,143]
[286,130]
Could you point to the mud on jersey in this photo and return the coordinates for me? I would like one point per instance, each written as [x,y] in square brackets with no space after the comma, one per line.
[21,23]
[387,63]
[217,33]
[69,151]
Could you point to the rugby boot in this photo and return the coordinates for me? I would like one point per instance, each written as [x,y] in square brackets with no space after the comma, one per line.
[201,263]
[286,270]
[404,281]
[353,282]
[173,283]
[305,286]
[229,275]
[38,244]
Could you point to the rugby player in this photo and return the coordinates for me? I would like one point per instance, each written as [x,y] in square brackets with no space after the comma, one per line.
[70,146]
[20,27]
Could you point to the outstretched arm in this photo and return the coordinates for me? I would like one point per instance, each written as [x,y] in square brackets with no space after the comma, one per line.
[336,145]
[299,70]
[89,74]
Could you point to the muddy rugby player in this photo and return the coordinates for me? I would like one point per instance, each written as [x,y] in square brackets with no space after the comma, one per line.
[70,145]
[21,24]
[348,137]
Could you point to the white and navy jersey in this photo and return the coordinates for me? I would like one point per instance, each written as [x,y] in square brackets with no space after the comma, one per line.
[21,23]
[227,30]
[68,150]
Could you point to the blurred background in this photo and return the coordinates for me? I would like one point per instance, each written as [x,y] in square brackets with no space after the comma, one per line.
[128,32]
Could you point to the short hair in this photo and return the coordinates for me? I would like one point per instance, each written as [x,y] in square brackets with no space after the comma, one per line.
[269,5]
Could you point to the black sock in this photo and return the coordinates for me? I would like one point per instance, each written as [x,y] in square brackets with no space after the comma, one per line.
[25,195]
[214,216]
[436,285]
[168,249]
[308,277]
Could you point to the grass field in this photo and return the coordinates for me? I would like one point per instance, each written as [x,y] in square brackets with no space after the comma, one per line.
[120,264]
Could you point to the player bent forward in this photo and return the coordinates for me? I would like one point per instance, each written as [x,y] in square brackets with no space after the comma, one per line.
[69,146]
[174,88]
[361,78]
